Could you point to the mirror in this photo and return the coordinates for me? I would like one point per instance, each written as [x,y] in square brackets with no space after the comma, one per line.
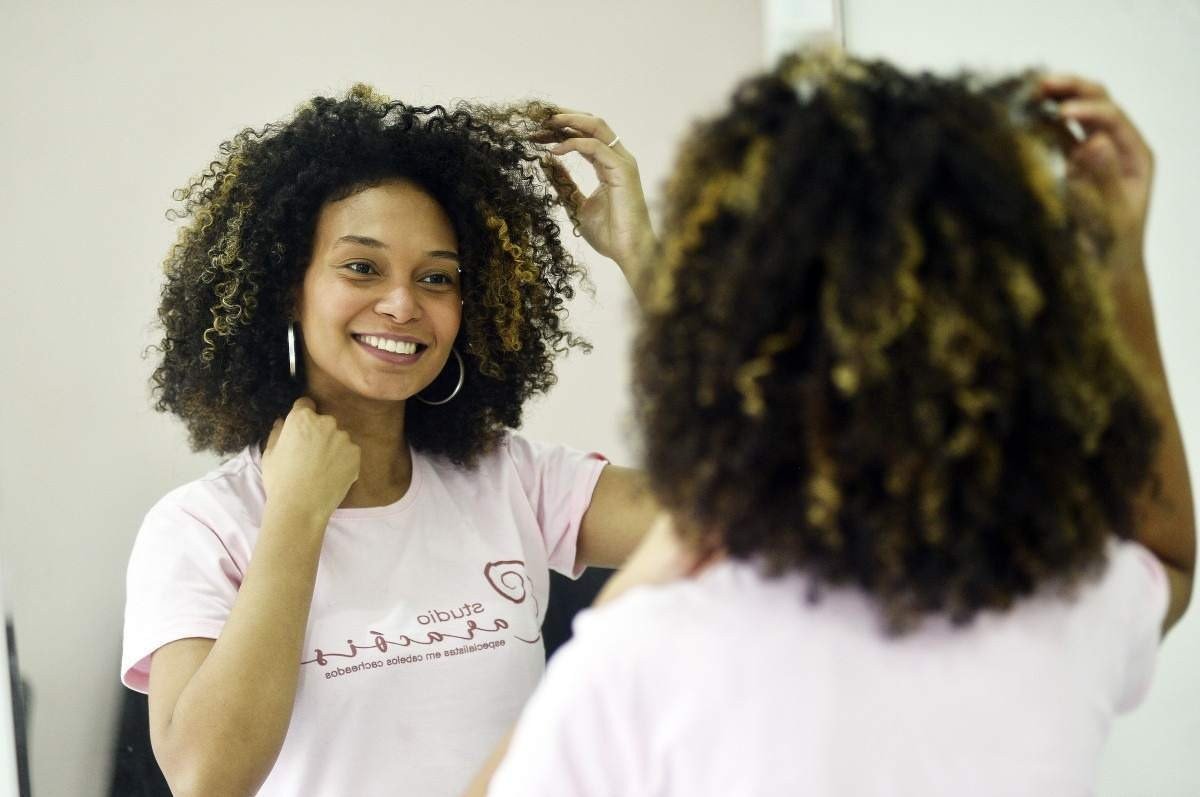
[109,108]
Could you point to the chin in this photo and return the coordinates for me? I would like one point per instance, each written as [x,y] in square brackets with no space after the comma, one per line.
[374,390]
[392,395]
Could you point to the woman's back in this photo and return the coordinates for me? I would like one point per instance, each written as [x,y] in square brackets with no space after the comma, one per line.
[734,684]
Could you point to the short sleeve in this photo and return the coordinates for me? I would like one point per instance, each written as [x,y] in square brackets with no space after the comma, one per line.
[559,482]
[577,736]
[1144,580]
[181,582]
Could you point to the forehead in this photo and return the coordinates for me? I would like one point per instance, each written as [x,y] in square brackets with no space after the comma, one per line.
[398,213]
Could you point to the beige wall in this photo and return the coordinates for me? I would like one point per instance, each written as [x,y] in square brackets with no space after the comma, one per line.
[107,107]
[1148,54]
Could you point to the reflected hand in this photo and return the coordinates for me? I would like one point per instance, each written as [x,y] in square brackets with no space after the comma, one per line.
[614,219]
[1114,159]
[309,462]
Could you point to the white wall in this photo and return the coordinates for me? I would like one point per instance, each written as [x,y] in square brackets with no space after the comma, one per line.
[109,106]
[1148,54]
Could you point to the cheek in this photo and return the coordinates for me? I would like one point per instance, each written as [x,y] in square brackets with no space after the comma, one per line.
[308,299]
[448,319]
[331,305]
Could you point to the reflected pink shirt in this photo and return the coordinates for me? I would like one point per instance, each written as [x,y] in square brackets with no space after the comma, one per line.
[423,640]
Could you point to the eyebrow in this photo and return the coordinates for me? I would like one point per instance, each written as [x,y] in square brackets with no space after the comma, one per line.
[375,243]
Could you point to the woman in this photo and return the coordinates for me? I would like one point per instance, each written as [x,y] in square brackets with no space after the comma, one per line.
[361,302]
[899,369]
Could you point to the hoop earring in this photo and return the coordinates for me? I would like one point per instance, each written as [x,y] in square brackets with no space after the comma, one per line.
[291,335]
[462,374]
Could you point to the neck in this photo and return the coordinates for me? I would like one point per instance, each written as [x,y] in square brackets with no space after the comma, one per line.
[377,428]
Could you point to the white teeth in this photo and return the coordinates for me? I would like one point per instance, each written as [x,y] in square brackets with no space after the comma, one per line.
[393,346]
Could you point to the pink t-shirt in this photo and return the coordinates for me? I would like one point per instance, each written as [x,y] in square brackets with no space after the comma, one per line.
[732,685]
[424,638]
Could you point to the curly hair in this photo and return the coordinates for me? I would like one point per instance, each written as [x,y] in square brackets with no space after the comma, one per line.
[234,273]
[878,347]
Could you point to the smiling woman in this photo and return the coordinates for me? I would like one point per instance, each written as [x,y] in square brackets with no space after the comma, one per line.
[333,267]
[228,299]
[380,306]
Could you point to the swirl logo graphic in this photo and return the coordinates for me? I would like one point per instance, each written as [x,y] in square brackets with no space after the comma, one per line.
[507,577]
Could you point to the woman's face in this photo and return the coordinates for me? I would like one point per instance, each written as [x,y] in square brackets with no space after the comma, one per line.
[381,304]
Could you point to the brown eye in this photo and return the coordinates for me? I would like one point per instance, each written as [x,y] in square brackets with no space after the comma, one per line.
[438,280]
[361,268]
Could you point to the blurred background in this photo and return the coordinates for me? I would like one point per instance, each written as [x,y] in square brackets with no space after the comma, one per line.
[110,106]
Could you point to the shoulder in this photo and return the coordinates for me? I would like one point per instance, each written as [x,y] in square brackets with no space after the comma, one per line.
[231,492]
[1129,591]
[661,619]
[492,460]
[516,456]
[1132,565]
[1113,622]
[1134,585]
[524,452]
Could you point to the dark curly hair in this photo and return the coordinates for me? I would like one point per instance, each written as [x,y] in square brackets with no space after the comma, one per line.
[878,347]
[233,275]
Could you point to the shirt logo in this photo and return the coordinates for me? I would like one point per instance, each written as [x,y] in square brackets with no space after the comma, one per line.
[510,581]
[507,577]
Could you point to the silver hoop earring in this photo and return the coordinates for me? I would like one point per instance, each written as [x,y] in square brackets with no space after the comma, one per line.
[462,374]
[292,350]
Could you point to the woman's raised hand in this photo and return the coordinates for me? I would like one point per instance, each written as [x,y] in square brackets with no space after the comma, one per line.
[613,218]
[1113,159]
[309,462]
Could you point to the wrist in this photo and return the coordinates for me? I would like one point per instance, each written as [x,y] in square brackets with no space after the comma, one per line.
[1126,251]
[296,518]
[1132,297]
[637,258]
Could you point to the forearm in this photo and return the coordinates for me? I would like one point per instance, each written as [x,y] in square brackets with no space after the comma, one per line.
[1165,519]
[635,265]
[229,721]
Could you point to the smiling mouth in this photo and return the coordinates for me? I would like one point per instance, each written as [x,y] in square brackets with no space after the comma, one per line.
[389,346]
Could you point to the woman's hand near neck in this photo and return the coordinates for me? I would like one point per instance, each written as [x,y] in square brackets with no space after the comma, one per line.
[377,428]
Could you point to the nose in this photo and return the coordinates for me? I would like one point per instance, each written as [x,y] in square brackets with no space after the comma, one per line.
[400,304]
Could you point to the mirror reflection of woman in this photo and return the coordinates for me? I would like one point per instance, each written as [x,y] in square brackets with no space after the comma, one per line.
[360,302]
